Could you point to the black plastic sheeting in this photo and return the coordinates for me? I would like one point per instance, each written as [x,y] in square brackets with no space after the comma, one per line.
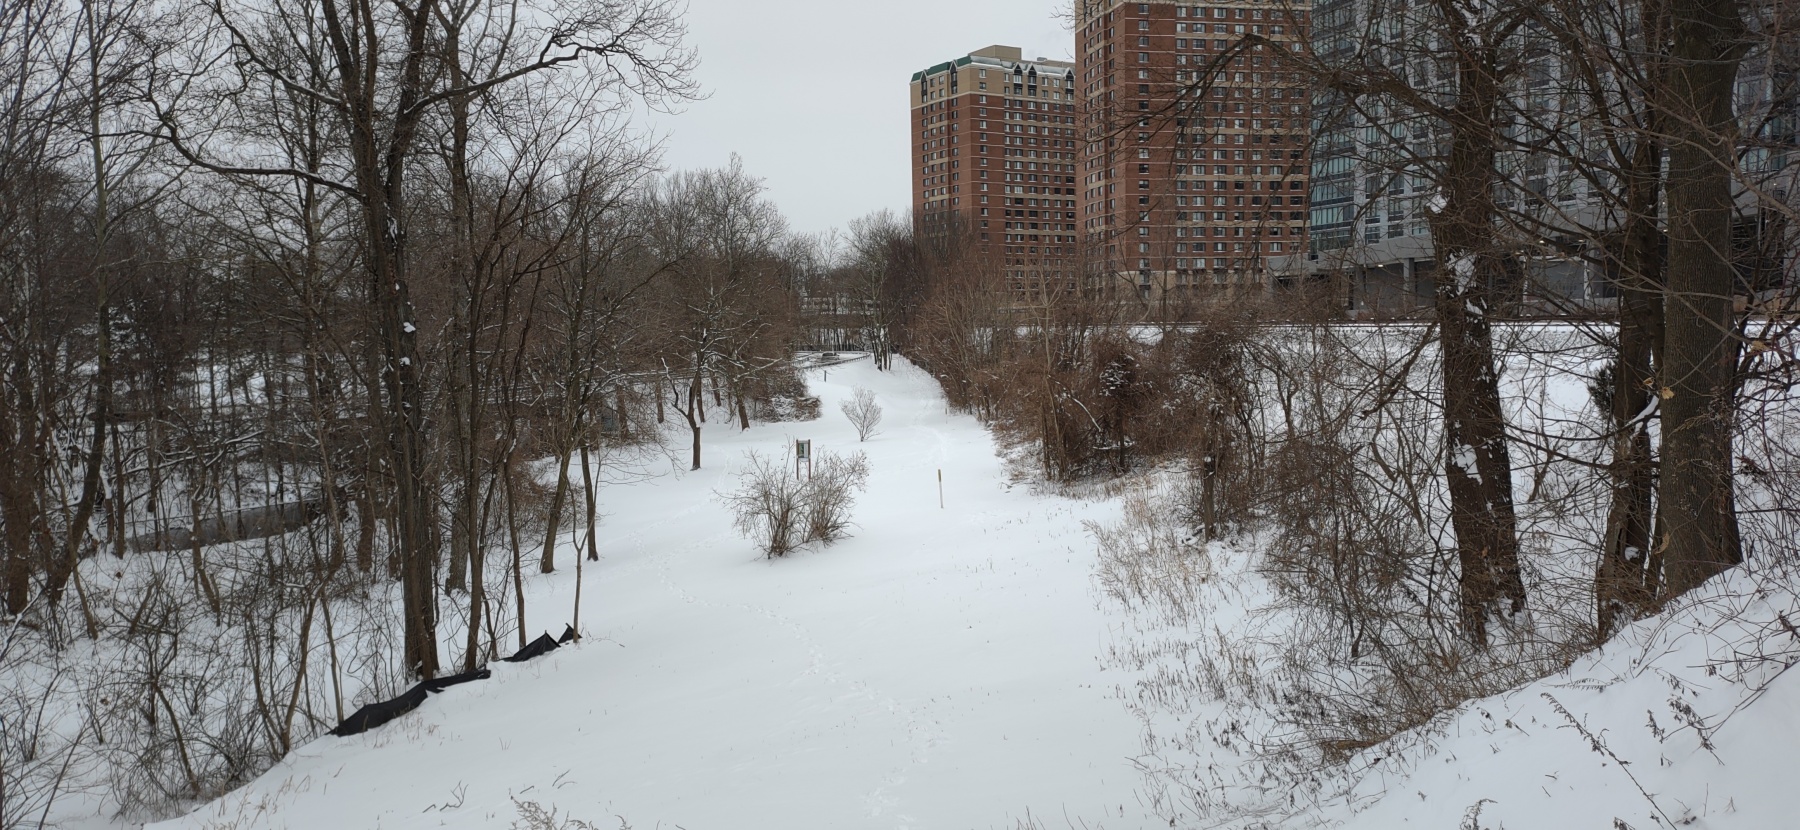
[543,645]
[376,714]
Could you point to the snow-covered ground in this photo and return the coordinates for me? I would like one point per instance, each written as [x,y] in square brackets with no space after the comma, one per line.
[946,668]
[1691,719]
[936,670]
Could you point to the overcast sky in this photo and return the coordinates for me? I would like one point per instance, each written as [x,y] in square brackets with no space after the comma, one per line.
[813,93]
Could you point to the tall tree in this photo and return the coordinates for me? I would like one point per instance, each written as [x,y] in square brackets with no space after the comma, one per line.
[1697,530]
[383,78]
[719,300]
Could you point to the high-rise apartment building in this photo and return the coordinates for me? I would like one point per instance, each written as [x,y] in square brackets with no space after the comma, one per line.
[1195,164]
[994,154]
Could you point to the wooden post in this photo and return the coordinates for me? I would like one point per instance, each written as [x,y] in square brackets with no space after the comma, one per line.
[940,488]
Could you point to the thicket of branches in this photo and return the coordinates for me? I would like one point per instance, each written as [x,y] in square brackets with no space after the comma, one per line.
[320,327]
[781,510]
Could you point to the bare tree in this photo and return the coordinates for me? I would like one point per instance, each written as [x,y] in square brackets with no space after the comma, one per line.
[728,320]
[864,413]
[383,90]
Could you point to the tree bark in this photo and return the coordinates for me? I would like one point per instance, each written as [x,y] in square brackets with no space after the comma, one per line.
[1697,521]
[1470,271]
[547,562]
[1626,581]
[26,534]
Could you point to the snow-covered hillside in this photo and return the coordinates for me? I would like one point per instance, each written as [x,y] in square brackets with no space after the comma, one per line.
[1691,719]
[948,668]
[936,670]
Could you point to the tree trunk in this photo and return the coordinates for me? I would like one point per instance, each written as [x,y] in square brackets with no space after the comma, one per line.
[547,562]
[100,412]
[1697,520]
[1470,270]
[26,535]
[1625,584]
[695,412]
[518,546]
[365,531]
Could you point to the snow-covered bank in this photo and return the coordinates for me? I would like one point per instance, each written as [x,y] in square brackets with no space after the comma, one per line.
[1690,719]
[936,670]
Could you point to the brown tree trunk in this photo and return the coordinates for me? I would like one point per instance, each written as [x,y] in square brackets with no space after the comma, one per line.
[518,545]
[547,562]
[1470,270]
[1697,521]
[695,412]
[592,502]
[365,531]
[1625,584]
[26,534]
[100,412]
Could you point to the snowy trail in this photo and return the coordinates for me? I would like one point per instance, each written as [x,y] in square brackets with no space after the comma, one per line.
[936,670]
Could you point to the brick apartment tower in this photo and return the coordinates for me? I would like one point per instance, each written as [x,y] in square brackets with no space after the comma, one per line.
[994,156]
[1194,169]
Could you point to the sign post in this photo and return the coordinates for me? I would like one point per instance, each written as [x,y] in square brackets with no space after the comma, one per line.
[803,452]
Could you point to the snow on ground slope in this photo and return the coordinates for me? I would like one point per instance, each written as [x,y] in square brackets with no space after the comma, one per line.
[936,670]
[1691,719]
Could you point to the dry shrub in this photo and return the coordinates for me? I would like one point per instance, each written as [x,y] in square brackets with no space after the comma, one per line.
[1150,565]
[1326,620]
[830,493]
[1361,558]
[779,511]
[535,816]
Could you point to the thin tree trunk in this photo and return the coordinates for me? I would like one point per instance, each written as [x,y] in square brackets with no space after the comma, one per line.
[19,507]
[1625,584]
[694,403]
[592,498]
[547,562]
[518,545]
[100,411]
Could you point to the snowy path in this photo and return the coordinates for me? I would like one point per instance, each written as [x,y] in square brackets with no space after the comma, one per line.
[937,670]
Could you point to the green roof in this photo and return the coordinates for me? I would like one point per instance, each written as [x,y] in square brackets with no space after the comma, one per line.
[939,68]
